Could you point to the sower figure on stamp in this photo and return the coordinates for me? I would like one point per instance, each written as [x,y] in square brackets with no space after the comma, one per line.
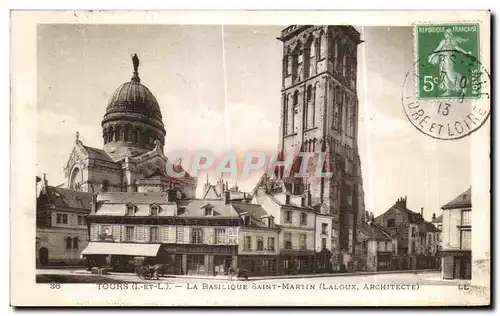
[442,57]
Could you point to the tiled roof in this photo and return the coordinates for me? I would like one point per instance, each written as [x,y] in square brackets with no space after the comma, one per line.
[438,219]
[133,197]
[65,198]
[374,231]
[195,208]
[255,211]
[431,228]
[463,200]
[95,153]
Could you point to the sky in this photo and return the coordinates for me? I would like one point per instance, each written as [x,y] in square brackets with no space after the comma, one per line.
[219,89]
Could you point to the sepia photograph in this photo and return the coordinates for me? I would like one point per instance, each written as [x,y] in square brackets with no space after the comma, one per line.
[258,163]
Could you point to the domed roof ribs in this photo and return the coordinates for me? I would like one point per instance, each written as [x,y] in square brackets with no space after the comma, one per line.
[135,62]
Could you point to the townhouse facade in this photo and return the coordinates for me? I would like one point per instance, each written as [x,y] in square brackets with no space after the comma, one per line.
[417,239]
[457,237]
[61,228]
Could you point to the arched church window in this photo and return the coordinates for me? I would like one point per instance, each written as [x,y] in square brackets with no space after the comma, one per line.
[68,242]
[75,179]
[314,145]
[118,134]
[75,243]
[128,133]
[295,98]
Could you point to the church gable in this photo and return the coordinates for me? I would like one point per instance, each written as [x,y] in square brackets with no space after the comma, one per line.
[77,156]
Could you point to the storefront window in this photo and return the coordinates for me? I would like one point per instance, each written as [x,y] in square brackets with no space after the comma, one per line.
[195,264]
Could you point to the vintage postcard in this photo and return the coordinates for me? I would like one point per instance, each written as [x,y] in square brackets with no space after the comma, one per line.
[251,158]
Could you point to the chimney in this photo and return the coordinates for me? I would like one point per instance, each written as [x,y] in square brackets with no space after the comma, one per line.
[227,197]
[433,216]
[422,212]
[401,202]
[287,198]
[171,195]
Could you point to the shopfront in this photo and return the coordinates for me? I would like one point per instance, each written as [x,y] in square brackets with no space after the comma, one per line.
[456,265]
[259,265]
[201,259]
[296,263]
[123,257]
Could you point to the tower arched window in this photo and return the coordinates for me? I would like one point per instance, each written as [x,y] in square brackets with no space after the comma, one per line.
[314,145]
[313,107]
[295,98]
[128,133]
[75,243]
[118,133]
[285,114]
[306,114]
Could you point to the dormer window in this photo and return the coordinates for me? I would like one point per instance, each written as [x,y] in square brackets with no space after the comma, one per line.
[209,211]
[130,209]
[154,210]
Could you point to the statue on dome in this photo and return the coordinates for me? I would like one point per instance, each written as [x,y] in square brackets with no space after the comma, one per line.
[135,61]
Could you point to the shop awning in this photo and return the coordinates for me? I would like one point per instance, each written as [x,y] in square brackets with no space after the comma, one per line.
[124,249]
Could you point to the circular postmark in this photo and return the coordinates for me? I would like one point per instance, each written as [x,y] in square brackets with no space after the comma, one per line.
[447,94]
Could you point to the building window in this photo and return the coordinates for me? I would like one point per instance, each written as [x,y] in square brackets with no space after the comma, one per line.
[302,241]
[154,234]
[324,228]
[391,223]
[75,242]
[154,210]
[303,218]
[68,242]
[129,233]
[62,218]
[270,244]
[309,93]
[196,236]
[130,210]
[323,243]
[465,239]
[81,220]
[288,240]
[220,236]
[413,232]
[466,218]
[248,243]
[260,244]
[288,216]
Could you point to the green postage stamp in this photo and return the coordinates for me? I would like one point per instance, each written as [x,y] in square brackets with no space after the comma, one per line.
[448,61]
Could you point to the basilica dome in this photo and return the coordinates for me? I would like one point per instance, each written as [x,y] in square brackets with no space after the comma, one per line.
[133,121]
[134,97]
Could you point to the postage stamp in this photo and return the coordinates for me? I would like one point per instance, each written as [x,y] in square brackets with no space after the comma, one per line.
[243,158]
[446,95]
[441,75]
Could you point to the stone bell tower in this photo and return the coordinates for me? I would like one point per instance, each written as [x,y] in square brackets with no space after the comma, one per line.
[319,113]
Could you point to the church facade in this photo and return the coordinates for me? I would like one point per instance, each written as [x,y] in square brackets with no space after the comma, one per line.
[132,157]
